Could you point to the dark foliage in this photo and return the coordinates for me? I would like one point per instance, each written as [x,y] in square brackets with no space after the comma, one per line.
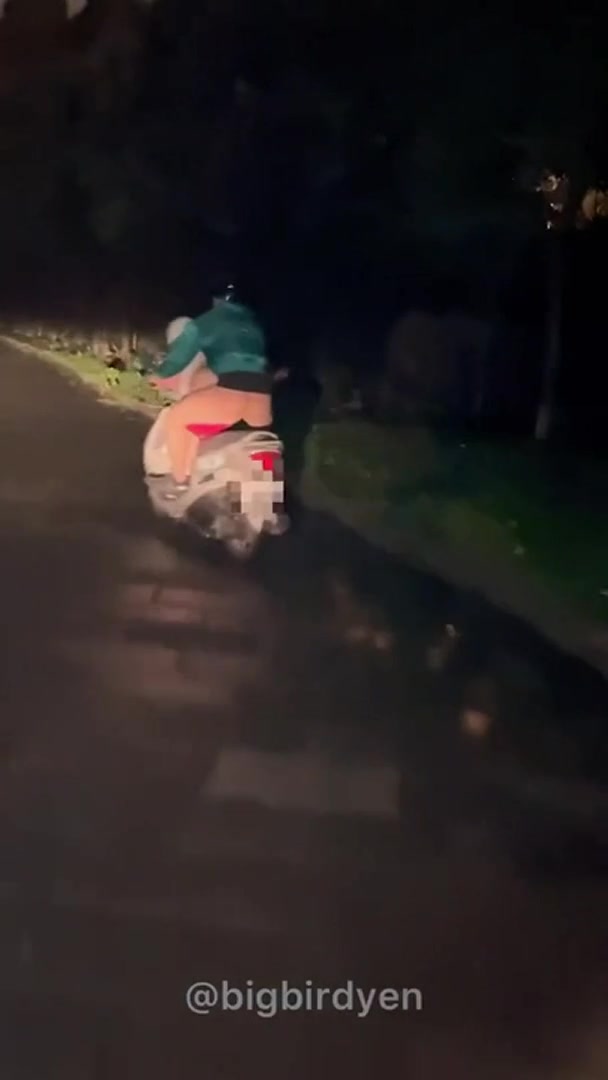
[352,161]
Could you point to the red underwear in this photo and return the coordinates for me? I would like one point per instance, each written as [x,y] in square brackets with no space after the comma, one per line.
[206,431]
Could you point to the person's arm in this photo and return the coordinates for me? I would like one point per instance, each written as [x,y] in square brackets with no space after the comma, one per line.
[209,326]
[181,353]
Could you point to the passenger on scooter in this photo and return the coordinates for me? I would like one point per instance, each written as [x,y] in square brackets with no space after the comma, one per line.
[235,386]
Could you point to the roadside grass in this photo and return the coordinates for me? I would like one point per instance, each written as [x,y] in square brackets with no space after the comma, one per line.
[542,510]
[128,388]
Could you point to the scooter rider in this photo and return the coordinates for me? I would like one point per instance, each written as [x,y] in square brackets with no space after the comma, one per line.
[235,387]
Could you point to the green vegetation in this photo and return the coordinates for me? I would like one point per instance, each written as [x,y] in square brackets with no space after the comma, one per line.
[538,509]
[128,387]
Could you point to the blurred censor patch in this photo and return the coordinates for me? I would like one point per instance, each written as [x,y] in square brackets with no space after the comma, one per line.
[204,998]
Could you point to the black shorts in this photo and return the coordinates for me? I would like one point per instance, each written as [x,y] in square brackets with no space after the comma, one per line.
[250,382]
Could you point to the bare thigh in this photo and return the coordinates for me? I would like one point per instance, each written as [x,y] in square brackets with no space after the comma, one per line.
[217,405]
[212,406]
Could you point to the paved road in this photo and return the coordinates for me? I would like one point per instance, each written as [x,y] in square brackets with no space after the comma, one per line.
[292,772]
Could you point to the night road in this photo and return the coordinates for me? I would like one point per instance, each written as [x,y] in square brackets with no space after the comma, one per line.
[285,773]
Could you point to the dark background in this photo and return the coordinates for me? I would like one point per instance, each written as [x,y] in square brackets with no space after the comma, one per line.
[348,162]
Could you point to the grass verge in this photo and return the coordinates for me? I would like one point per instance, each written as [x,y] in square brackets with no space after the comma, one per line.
[128,388]
[541,512]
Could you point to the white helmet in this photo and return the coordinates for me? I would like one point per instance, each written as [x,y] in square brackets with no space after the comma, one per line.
[176,327]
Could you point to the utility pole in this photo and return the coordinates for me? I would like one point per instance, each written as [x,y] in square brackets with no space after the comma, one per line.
[555,188]
[546,412]
[564,210]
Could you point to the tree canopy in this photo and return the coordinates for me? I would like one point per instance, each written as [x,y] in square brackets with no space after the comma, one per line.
[139,129]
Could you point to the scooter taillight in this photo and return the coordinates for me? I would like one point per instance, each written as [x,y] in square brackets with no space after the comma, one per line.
[271,460]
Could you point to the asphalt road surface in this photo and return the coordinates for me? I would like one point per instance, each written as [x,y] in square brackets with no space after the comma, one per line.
[321,772]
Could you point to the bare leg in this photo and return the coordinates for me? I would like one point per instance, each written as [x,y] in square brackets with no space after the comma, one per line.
[182,446]
[213,406]
[257,410]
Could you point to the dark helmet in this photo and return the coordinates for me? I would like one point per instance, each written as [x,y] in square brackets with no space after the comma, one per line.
[225,293]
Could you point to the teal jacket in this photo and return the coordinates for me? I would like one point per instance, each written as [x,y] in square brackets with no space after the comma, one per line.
[228,335]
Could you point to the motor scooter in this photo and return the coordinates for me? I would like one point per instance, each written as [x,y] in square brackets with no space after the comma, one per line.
[236,492]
